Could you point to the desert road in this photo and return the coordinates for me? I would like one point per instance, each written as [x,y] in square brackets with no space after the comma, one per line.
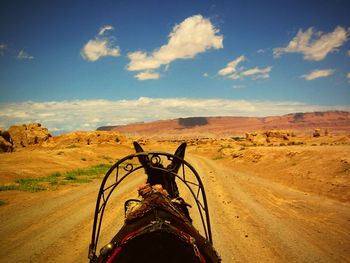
[253,220]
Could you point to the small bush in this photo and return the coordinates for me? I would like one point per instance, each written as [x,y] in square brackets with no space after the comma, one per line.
[60,153]
[3,202]
[8,187]
[71,146]
[70,177]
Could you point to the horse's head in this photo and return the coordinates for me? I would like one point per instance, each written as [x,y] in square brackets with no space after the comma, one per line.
[158,174]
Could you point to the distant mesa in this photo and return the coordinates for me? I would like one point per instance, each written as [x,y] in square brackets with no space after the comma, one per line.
[106,128]
[335,121]
[193,121]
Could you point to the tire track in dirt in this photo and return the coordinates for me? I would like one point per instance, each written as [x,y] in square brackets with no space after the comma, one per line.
[249,227]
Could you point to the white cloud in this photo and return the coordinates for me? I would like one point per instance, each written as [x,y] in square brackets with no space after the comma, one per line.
[348,76]
[24,55]
[192,36]
[3,47]
[205,74]
[101,46]
[147,75]
[349,53]
[105,29]
[315,45]
[63,116]
[232,72]
[258,73]
[318,73]
[231,66]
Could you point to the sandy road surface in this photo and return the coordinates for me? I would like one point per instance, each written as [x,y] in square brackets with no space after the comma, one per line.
[253,220]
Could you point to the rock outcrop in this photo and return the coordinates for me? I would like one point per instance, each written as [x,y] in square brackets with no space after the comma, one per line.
[271,136]
[19,136]
[78,138]
[5,142]
[28,134]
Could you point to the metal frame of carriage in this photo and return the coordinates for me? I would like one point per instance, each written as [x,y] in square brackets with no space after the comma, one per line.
[125,167]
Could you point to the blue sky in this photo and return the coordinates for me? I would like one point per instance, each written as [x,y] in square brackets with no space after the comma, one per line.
[81,64]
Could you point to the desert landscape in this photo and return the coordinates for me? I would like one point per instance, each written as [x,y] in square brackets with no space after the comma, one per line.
[275,194]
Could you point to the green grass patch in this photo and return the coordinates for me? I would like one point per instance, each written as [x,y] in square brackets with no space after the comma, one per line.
[55,179]
[30,184]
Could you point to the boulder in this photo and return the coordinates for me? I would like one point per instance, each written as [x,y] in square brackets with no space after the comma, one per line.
[28,134]
[5,141]
[256,138]
[317,133]
[278,134]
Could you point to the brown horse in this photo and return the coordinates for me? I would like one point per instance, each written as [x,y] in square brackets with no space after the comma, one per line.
[157,228]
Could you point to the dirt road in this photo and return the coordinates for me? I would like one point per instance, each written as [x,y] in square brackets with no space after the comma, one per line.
[253,220]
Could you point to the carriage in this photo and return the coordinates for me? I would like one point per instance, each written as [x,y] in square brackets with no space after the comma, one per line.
[158,226]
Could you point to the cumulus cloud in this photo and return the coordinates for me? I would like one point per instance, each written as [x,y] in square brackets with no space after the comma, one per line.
[315,45]
[205,74]
[147,75]
[232,72]
[101,46]
[24,55]
[192,36]
[318,73]
[348,76]
[3,47]
[64,116]
[231,66]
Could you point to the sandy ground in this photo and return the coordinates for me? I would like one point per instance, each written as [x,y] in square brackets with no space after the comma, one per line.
[255,217]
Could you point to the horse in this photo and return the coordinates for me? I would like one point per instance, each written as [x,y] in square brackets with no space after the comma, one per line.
[157,228]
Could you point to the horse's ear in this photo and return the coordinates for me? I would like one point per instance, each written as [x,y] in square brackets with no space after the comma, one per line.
[180,152]
[143,159]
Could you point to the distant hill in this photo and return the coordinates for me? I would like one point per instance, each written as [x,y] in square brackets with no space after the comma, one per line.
[335,121]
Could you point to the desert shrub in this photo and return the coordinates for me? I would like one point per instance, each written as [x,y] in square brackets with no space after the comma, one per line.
[3,202]
[217,158]
[224,147]
[71,146]
[8,187]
